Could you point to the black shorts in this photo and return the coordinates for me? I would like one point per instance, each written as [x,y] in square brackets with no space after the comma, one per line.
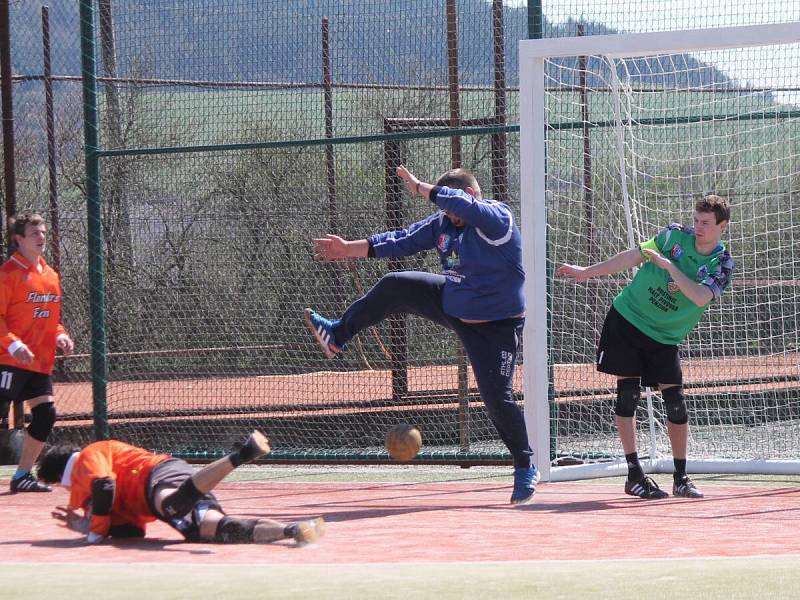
[627,352]
[171,474]
[20,384]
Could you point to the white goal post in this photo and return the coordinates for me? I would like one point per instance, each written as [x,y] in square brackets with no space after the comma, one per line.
[619,135]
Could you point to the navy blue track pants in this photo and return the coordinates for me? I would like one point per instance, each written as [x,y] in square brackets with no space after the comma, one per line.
[491,347]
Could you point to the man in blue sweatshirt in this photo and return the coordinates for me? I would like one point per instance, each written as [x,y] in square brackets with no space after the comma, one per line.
[479,295]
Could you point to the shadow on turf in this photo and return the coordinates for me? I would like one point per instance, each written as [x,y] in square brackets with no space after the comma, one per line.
[357,514]
[145,545]
[629,502]
[342,510]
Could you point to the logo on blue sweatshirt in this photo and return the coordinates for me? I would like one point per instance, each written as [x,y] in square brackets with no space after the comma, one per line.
[452,260]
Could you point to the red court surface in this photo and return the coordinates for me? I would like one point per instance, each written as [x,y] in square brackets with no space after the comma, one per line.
[441,522]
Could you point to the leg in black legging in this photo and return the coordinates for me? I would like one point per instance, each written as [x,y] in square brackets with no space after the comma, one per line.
[492,351]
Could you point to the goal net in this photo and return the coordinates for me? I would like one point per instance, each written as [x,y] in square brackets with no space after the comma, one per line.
[620,136]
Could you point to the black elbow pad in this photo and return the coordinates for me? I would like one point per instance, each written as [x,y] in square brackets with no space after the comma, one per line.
[103,496]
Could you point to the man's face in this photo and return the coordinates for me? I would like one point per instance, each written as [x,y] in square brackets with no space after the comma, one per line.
[458,222]
[706,228]
[34,240]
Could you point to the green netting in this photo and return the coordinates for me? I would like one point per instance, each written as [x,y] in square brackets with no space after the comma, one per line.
[629,151]
[207,248]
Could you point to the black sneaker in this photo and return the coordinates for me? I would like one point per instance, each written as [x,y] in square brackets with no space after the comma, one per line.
[256,446]
[645,488]
[685,488]
[28,483]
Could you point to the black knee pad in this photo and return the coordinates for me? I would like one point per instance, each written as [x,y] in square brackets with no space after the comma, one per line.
[180,502]
[231,530]
[42,421]
[629,392]
[675,405]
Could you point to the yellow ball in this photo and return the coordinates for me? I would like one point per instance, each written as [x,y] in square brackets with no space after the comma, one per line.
[403,441]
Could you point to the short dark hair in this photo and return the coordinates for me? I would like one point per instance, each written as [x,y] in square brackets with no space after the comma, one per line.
[53,462]
[459,179]
[18,222]
[716,204]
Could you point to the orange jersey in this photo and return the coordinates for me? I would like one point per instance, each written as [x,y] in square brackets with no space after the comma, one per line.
[30,311]
[129,467]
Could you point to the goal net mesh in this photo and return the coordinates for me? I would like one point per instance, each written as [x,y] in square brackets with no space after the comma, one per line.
[632,144]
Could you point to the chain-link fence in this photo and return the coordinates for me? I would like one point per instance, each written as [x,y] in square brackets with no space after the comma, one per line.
[231,135]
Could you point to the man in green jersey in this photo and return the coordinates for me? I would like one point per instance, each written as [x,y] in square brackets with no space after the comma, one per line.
[685,268]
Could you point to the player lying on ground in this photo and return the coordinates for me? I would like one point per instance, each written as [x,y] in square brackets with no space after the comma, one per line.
[116,489]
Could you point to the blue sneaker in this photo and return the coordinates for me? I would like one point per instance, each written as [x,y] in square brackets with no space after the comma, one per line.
[322,330]
[525,481]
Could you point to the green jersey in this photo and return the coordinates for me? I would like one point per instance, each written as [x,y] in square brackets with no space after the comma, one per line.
[654,304]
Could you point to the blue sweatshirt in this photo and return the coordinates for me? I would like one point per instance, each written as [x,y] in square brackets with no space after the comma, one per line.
[481,261]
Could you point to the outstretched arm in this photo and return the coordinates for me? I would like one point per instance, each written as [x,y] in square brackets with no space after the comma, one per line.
[623,261]
[493,218]
[415,238]
[332,247]
[414,185]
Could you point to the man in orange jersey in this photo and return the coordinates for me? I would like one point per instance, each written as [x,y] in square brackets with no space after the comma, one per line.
[30,332]
[120,488]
